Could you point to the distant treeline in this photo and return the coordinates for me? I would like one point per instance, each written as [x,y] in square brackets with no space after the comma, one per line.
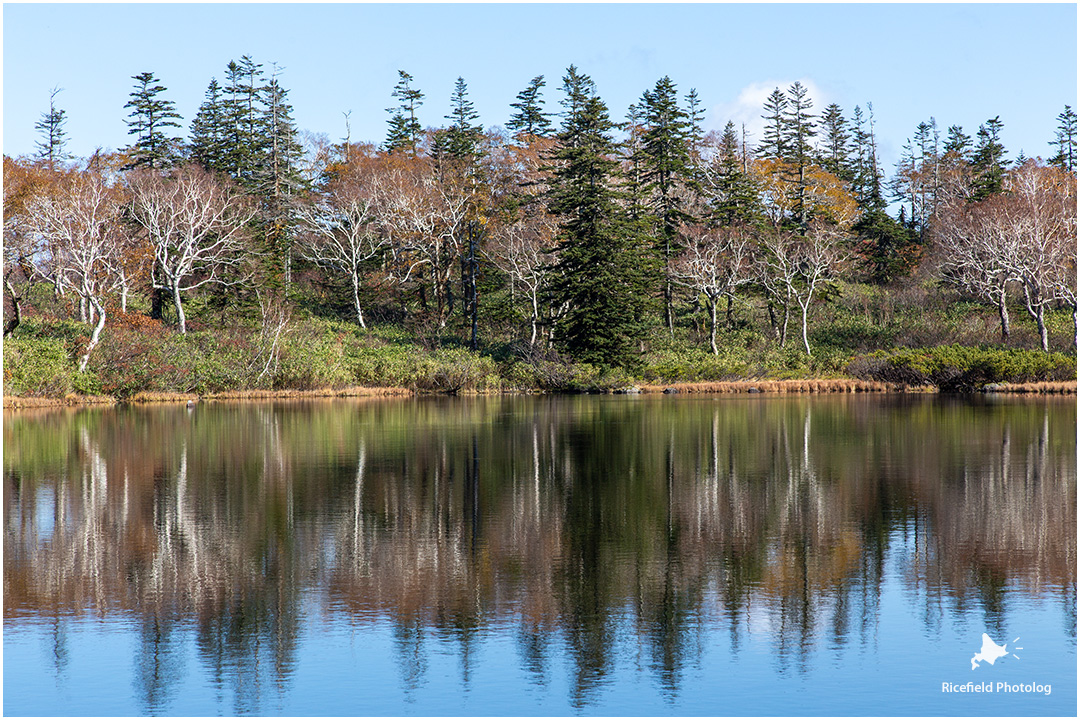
[570,236]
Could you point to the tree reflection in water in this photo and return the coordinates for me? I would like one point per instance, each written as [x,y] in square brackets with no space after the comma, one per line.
[590,524]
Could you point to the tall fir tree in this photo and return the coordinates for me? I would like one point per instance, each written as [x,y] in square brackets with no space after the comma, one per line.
[733,194]
[958,143]
[835,152]
[577,89]
[150,116]
[405,129]
[695,132]
[281,181]
[773,143]
[867,181]
[460,140]
[988,161]
[530,120]
[53,135]
[209,132]
[1065,141]
[667,172]
[599,278]
[798,131]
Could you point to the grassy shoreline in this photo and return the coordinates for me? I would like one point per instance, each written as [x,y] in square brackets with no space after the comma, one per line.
[731,387]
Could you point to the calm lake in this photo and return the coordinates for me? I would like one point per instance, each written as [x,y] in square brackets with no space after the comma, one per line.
[592,555]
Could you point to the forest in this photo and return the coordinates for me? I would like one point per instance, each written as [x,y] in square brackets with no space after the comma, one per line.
[571,250]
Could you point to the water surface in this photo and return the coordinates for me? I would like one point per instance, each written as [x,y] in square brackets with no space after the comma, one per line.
[542,556]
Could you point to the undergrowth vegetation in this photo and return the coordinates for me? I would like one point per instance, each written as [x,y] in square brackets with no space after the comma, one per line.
[913,337]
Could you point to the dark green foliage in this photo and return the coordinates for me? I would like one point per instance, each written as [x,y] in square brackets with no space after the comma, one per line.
[890,249]
[530,118]
[954,368]
[150,116]
[1064,141]
[600,276]
[732,191]
[460,141]
[772,146]
[51,126]
[989,161]
[958,143]
[209,132]
[405,129]
[666,171]
[866,179]
[835,150]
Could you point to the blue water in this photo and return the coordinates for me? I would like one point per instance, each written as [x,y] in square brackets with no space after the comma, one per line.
[536,594]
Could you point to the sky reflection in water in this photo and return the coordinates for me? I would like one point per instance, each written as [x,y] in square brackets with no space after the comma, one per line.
[509,556]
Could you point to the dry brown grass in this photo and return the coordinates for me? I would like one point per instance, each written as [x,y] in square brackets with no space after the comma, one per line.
[302,394]
[12,402]
[780,387]
[1040,388]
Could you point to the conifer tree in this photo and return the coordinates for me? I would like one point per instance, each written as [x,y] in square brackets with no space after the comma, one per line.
[773,144]
[695,115]
[209,131]
[667,171]
[732,192]
[1065,141]
[988,161]
[530,118]
[461,139]
[150,115]
[866,183]
[405,129]
[798,130]
[958,143]
[51,127]
[836,143]
[577,89]
[599,278]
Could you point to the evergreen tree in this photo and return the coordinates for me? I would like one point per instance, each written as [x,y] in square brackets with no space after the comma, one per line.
[598,278]
[798,130]
[772,146]
[281,180]
[835,155]
[577,89]
[636,200]
[958,143]
[695,115]
[149,117]
[405,129]
[51,127]
[890,250]
[988,161]
[1065,141]
[530,118]
[734,197]
[666,172]
[866,183]
[461,139]
[209,131]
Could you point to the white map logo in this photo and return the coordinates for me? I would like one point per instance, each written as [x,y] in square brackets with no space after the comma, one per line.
[991,651]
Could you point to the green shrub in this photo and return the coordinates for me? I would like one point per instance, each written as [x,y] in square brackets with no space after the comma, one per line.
[955,368]
[38,367]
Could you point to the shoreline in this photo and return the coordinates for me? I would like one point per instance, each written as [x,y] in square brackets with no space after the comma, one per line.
[731,387]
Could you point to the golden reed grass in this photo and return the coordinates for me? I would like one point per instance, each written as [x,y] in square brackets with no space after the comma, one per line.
[780,387]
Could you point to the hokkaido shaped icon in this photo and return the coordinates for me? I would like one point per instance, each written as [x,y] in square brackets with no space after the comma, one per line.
[991,651]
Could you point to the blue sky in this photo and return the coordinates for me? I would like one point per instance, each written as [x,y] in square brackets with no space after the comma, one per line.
[961,64]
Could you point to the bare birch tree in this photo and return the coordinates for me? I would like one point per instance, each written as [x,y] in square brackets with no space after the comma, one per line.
[196,226]
[716,263]
[342,232]
[82,232]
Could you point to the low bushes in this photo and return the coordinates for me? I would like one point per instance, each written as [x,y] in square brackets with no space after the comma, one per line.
[954,368]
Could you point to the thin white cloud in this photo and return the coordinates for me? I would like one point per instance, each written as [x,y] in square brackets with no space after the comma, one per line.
[749,105]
